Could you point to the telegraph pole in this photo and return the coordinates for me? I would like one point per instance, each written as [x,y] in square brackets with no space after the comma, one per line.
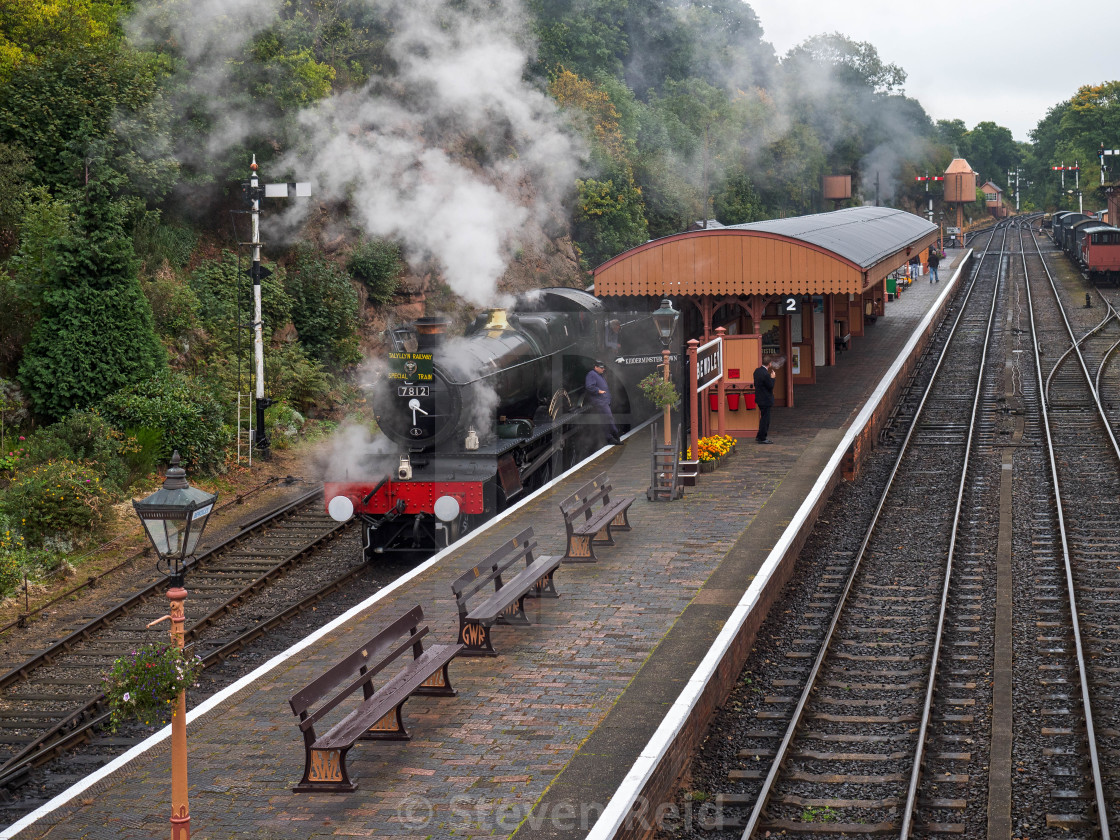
[258,272]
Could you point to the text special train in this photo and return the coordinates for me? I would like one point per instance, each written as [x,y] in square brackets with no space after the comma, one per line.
[477,422]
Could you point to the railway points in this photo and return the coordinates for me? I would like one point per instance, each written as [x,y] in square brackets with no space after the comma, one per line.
[537,738]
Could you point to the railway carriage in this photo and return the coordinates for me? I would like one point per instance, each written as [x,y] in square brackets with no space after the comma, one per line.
[1099,254]
[474,423]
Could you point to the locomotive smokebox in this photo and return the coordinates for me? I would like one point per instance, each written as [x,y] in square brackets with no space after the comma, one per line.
[430,331]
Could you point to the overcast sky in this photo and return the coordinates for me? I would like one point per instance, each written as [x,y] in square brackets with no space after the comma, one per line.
[1008,62]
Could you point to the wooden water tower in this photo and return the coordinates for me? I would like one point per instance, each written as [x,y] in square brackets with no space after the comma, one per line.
[837,189]
[960,188]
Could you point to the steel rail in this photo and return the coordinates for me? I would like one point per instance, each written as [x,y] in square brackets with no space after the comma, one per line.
[782,751]
[1090,729]
[78,726]
[935,653]
[77,718]
[20,671]
[21,619]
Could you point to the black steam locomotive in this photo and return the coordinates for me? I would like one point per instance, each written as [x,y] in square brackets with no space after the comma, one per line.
[477,422]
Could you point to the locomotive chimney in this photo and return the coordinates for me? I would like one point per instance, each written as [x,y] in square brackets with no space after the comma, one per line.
[430,331]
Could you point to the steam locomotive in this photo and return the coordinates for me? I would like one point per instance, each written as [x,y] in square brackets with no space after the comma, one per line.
[473,424]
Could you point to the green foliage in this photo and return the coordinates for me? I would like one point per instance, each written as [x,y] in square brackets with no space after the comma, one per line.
[95,332]
[284,424]
[155,242]
[141,453]
[91,111]
[184,412]
[377,263]
[324,309]
[609,218]
[175,306]
[659,392]
[146,683]
[56,497]
[84,437]
[226,298]
[295,378]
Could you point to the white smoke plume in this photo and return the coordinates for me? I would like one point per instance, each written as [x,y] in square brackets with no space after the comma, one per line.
[212,37]
[385,148]
[454,154]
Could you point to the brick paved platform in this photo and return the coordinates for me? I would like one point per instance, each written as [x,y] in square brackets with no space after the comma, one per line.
[540,737]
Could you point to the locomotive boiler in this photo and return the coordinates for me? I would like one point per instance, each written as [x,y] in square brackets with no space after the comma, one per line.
[474,423]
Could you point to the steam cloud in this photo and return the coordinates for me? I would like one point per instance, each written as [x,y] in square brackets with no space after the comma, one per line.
[385,148]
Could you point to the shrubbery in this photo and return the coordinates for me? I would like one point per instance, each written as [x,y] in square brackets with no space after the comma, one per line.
[182,409]
[377,263]
[83,436]
[55,497]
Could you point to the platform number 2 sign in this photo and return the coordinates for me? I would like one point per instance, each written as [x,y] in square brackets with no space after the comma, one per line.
[791,305]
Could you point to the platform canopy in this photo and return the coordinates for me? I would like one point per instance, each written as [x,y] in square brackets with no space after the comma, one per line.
[845,251]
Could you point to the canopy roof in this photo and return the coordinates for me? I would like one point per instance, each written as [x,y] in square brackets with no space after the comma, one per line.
[845,251]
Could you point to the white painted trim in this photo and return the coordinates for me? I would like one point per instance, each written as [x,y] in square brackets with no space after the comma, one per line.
[626,796]
[217,699]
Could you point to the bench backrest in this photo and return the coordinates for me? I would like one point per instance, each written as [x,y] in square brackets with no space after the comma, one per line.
[360,667]
[583,501]
[490,570]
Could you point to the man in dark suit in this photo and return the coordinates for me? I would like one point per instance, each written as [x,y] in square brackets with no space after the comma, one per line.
[598,392]
[764,398]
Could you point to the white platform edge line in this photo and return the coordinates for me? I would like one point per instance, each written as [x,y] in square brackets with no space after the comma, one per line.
[227,692]
[626,795]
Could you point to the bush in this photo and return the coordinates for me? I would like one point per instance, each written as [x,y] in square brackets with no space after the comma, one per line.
[284,424]
[377,264]
[83,436]
[182,410]
[324,309]
[58,497]
[297,379]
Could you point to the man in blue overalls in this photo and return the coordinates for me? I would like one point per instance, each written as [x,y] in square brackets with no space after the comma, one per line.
[595,383]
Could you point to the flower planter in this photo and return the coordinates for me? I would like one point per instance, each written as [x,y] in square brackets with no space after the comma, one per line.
[707,466]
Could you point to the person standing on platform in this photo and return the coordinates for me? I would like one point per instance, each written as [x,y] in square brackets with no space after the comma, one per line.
[934,260]
[595,384]
[764,398]
[915,267]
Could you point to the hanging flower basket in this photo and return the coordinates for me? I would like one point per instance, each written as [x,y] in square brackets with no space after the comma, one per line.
[145,684]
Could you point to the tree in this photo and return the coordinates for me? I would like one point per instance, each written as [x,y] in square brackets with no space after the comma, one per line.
[91,112]
[324,308]
[95,333]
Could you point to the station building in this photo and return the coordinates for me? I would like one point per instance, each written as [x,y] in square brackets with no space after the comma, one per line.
[801,287]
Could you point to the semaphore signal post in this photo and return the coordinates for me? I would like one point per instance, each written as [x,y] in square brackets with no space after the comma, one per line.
[255,191]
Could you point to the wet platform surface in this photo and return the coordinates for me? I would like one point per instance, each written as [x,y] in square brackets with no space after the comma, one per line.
[539,737]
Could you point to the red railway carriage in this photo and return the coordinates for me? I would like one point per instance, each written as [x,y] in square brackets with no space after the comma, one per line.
[1099,253]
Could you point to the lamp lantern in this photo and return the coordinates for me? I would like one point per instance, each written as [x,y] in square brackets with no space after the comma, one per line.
[174,518]
[665,319]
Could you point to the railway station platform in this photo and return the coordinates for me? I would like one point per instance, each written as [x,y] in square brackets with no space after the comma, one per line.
[584,713]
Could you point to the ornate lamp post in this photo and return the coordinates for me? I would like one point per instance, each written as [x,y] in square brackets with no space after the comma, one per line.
[175,517]
[665,319]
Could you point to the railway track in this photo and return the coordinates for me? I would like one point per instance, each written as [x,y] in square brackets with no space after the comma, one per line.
[1083,726]
[52,701]
[839,743]
[1019,729]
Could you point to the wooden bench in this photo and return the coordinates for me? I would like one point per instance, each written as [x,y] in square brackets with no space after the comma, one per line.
[506,604]
[590,517]
[378,716]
